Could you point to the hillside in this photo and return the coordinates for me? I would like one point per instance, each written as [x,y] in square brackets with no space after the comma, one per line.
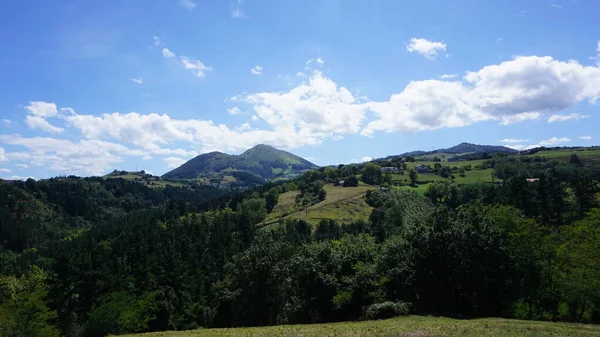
[413,326]
[262,161]
[463,148]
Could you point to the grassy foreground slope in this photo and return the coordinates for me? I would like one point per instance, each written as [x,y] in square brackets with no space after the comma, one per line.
[412,326]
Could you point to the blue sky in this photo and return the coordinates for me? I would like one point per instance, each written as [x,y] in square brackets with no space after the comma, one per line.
[90,86]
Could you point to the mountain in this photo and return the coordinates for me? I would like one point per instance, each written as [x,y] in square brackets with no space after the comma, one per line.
[262,162]
[464,148]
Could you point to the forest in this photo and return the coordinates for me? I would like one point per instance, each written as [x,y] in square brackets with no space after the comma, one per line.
[94,256]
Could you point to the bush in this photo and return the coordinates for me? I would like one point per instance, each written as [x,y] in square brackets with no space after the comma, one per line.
[387,310]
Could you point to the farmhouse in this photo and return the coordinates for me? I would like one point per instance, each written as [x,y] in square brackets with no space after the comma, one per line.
[389,169]
[422,169]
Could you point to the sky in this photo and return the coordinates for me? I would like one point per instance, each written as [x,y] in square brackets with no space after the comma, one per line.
[91,86]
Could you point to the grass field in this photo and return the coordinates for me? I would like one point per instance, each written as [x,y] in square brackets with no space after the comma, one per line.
[344,204]
[412,326]
[590,155]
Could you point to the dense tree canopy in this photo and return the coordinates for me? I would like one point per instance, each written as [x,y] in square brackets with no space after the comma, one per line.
[91,257]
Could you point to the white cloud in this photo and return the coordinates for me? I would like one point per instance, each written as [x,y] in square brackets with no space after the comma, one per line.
[197,67]
[168,54]
[18,178]
[256,70]
[554,141]
[448,76]
[564,118]
[234,111]
[42,109]
[188,4]
[173,162]
[2,155]
[524,88]
[312,111]
[499,40]
[429,49]
[7,121]
[585,137]
[157,40]
[5,170]
[236,9]
[244,127]
[513,141]
[146,157]
[366,159]
[320,61]
[597,57]
[37,122]
[22,166]
[556,6]
[137,80]
[60,155]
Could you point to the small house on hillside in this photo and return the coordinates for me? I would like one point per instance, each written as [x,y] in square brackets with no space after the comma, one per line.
[389,169]
[422,169]
[530,180]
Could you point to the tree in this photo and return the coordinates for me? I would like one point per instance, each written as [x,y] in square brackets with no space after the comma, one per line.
[322,194]
[23,310]
[413,176]
[371,174]
[575,160]
[351,181]
[271,199]
[331,173]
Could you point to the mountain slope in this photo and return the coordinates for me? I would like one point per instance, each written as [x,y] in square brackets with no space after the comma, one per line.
[262,161]
[464,148]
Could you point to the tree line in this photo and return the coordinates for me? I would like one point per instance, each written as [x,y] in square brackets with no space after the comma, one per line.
[91,257]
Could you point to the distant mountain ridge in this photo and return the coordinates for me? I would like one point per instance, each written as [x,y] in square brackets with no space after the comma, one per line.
[463,148]
[262,161]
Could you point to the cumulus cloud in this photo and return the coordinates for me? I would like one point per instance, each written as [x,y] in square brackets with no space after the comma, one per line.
[256,70]
[5,170]
[37,122]
[585,137]
[564,118]
[173,162]
[187,4]
[42,109]
[2,155]
[236,9]
[513,91]
[137,80]
[429,49]
[513,141]
[167,53]
[366,159]
[234,111]
[554,141]
[316,108]
[22,166]
[60,155]
[197,67]
[18,178]
[448,76]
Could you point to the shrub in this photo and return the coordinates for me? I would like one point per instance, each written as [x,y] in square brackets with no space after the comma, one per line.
[387,309]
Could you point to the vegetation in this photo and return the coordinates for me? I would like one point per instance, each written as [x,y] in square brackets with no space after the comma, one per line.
[253,166]
[413,326]
[96,256]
